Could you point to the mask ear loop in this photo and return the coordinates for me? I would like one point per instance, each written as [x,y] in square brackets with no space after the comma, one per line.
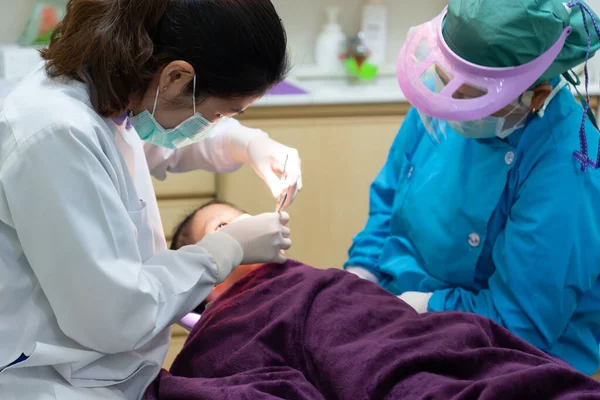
[193,97]
[542,111]
[156,100]
[194,94]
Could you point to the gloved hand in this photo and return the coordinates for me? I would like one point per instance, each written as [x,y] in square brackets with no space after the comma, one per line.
[267,158]
[363,273]
[417,300]
[262,238]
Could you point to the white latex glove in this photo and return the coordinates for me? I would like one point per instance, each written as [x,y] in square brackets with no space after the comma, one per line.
[363,274]
[417,300]
[267,158]
[262,238]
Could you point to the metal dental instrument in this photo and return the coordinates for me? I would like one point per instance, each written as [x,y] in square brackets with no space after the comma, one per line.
[283,196]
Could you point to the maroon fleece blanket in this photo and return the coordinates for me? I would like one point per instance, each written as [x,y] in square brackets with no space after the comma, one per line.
[294,332]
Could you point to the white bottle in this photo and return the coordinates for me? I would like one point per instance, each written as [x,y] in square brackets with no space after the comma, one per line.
[594,66]
[374,27]
[330,43]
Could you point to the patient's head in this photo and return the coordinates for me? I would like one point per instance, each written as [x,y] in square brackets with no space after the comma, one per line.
[203,221]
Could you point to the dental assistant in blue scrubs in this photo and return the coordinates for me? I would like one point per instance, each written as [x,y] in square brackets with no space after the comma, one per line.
[498,215]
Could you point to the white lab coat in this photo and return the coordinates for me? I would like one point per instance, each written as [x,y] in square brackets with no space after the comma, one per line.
[88,289]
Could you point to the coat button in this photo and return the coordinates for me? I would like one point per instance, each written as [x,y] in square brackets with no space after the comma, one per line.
[474,240]
[410,172]
[509,158]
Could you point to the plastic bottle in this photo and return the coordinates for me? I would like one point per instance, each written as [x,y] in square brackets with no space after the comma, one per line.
[330,43]
[374,27]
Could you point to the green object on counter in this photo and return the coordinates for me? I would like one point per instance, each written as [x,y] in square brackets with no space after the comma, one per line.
[42,20]
[44,39]
[366,71]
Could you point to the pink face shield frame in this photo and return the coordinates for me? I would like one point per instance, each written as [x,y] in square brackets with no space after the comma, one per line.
[502,85]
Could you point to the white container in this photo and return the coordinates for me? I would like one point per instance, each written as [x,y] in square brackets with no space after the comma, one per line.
[374,27]
[331,43]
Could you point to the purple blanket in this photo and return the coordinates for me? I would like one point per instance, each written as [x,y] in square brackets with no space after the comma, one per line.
[293,332]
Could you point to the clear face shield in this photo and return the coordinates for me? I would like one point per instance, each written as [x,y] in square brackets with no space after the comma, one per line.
[500,124]
[473,100]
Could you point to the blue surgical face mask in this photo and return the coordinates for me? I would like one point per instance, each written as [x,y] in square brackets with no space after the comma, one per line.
[189,131]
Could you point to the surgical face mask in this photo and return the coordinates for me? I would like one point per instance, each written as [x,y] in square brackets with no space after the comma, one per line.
[488,127]
[513,118]
[189,131]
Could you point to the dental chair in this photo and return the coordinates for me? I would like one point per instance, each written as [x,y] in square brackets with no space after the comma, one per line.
[189,321]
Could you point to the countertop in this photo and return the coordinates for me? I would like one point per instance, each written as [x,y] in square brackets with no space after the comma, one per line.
[324,91]
[308,86]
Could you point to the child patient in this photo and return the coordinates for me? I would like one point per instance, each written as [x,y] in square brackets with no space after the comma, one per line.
[207,219]
[298,333]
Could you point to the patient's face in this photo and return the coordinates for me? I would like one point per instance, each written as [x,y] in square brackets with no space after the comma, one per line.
[212,218]
[209,220]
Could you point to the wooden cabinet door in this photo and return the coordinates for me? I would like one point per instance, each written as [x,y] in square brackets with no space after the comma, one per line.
[340,158]
[185,185]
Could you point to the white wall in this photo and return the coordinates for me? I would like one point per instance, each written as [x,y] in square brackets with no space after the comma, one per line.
[303,20]
[13,17]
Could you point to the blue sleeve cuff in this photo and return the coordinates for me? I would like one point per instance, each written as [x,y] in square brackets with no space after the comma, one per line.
[437,302]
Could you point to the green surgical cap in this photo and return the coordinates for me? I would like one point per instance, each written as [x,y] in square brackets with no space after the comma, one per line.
[508,33]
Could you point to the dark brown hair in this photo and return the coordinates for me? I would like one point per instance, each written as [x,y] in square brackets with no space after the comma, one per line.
[182,234]
[237,47]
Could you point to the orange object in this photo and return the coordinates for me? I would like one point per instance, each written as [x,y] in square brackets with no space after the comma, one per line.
[236,275]
[49,20]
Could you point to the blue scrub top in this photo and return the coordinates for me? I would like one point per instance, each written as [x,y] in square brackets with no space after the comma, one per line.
[508,229]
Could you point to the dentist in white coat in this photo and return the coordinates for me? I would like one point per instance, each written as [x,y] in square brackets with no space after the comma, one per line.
[129,88]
